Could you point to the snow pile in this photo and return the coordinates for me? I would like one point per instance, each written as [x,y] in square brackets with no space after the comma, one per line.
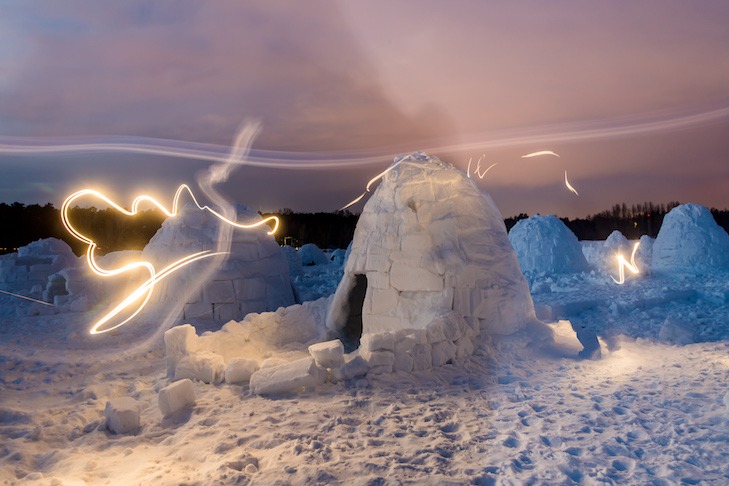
[253,278]
[429,242]
[33,270]
[690,240]
[545,245]
[311,255]
[294,259]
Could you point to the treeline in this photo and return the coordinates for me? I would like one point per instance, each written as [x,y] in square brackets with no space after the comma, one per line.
[112,231]
[22,224]
[325,230]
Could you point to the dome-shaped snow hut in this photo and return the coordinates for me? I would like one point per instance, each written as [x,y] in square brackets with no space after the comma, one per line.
[429,247]
[253,278]
[545,245]
[690,239]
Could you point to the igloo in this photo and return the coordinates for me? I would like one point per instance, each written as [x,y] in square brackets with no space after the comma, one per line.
[253,278]
[690,240]
[545,245]
[430,253]
[33,270]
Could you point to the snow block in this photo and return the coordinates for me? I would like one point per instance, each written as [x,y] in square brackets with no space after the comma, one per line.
[383,361]
[179,342]
[443,352]
[422,359]
[676,332]
[285,378]
[206,367]
[354,367]
[384,341]
[122,415]
[329,354]
[175,397]
[239,370]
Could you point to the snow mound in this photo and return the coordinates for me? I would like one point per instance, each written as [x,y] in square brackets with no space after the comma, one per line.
[429,242]
[253,278]
[690,240]
[545,245]
[311,255]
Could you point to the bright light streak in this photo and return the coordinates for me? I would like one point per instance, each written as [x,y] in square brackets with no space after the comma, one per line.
[26,298]
[539,154]
[478,167]
[623,264]
[145,289]
[569,186]
[372,181]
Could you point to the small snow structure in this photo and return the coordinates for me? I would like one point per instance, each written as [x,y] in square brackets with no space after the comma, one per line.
[34,270]
[545,245]
[253,278]
[122,415]
[690,241]
[312,255]
[431,268]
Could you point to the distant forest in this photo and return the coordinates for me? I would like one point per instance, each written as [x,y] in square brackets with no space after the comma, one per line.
[22,224]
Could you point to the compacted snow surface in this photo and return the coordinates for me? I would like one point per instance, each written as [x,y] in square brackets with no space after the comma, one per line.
[646,411]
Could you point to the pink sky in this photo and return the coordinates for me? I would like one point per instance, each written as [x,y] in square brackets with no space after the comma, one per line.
[381,76]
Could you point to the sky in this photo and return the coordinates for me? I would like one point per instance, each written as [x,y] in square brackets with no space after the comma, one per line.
[632,96]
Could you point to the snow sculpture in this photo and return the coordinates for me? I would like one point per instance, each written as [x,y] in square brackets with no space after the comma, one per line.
[254,277]
[432,265]
[545,245]
[690,240]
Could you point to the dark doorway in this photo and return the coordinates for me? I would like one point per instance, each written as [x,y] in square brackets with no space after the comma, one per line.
[352,331]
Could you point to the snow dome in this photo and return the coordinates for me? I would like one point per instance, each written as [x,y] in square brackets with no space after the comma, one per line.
[690,239]
[430,247]
[254,277]
[544,244]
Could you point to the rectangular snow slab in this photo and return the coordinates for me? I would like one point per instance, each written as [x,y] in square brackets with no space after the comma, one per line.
[329,354]
[122,415]
[383,341]
[239,370]
[176,396]
[206,367]
[179,342]
[354,367]
[285,378]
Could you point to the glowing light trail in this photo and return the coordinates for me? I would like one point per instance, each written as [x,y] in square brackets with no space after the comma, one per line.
[145,289]
[478,167]
[570,132]
[26,298]
[569,186]
[538,154]
[623,264]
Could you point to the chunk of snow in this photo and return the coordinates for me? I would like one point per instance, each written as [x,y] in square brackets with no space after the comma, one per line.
[179,342]
[354,366]
[204,366]
[176,396]
[329,354]
[285,378]
[675,331]
[122,415]
[383,341]
[239,370]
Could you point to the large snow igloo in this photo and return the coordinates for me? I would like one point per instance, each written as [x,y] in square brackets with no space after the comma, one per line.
[253,278]
[430,252]
[690,241]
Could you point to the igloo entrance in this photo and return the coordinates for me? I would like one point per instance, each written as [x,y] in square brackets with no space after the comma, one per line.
[352,330]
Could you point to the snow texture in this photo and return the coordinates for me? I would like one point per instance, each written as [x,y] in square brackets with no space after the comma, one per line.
[690,241]
[544,245]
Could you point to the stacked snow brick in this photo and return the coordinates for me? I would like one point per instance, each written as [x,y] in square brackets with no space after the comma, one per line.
[254,277]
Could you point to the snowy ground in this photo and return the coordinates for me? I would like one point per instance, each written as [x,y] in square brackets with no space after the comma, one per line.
[646,413]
